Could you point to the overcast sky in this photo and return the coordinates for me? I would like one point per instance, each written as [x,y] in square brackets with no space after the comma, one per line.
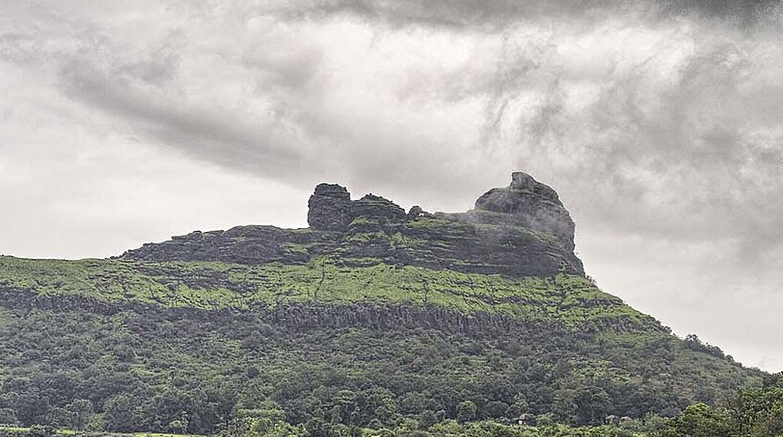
[660,124]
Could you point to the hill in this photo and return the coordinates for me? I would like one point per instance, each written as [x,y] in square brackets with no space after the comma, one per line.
[371,317]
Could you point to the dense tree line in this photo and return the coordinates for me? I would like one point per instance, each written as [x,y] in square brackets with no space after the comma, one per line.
[191,371]
[749,413]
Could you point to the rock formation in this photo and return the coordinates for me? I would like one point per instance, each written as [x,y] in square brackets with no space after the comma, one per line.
[378,209]
[530,204]
[329,208]
[521,230]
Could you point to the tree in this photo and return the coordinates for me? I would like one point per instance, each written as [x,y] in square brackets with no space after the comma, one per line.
[426,419]
[82,412]
[7,416]
[592,404]
[177,426]
[496,409]
[699,420]
[120,414]
[466,411]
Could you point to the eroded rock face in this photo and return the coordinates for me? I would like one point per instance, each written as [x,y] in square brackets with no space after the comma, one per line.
[329,208]
[524,182]
[378,208]
[531,204]
[521,230]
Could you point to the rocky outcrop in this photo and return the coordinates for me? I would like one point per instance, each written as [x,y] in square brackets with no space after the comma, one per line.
[379,209]
[329,208]
[530,204]
[521,230]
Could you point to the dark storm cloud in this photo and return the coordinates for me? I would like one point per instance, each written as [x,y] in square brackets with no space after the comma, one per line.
[697,150]
[142,90]
[204,132]
[503,13]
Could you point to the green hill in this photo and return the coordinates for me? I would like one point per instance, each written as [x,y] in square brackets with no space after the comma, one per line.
[372,317]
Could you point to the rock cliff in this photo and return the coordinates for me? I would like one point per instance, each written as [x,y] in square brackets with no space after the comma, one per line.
[526,203]
[329,208]
[520,230]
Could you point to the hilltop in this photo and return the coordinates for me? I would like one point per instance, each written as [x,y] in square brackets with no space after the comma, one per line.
[522,230]
[370,317]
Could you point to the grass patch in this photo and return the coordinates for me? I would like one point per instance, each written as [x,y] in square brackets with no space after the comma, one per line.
[209,285]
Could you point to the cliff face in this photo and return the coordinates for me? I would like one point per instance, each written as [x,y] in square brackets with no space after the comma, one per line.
[530,204]
[329,208]
[520,230]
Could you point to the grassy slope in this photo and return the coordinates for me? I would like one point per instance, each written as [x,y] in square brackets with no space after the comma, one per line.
[209,285]
[573,301]
[629,354]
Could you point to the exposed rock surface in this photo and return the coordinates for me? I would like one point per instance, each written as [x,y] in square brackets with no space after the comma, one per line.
[521,230]
[377,208]
[530,204]
[329,208]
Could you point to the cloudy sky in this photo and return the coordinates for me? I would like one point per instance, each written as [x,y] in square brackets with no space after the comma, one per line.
[660,123]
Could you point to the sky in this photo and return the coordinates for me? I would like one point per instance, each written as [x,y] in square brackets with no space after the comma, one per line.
[660,123]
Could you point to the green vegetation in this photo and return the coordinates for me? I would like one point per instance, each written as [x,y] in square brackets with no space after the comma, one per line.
[748,413]
[375,323]
[44,431]
[324,349]
[380,233]
[570,299]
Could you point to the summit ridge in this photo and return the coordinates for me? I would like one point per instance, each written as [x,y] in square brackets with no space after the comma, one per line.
[519,230]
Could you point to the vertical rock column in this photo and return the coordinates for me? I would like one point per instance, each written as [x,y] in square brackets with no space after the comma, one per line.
[329,208]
